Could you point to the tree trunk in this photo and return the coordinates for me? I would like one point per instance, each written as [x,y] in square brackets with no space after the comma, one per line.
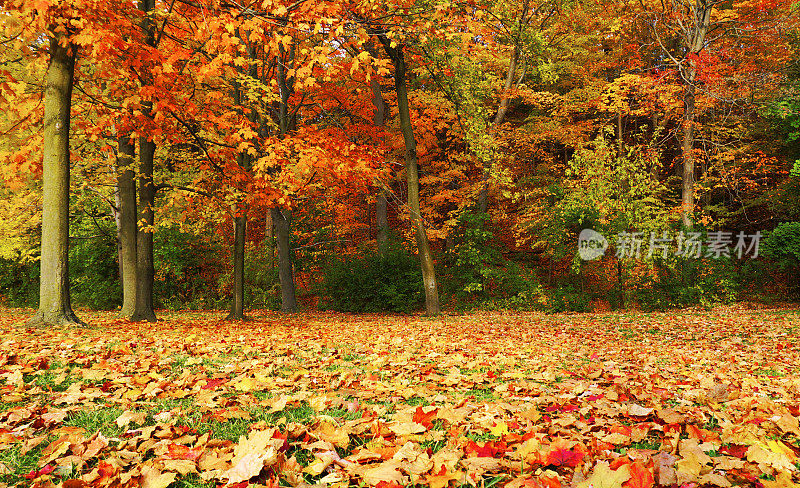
[499,118]
[243,160]
[126,225]
[382,221]
[239,232]
[145,270]
[381,205]
[55,308]
[269,230]
[696,41]
[281,220]
[412,177]
[511,75]
[687,150]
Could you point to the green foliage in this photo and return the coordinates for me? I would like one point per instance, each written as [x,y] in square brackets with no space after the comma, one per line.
[567,298]
[185,264]
[477,272]
[372,282]
[686,282]
[783,245]
[93,268]
[262,287]
[19,283]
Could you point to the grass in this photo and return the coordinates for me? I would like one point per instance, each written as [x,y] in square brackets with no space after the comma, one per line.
[20,464]
[103,419]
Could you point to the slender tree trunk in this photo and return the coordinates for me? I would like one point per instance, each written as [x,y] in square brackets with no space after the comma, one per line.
[382,221]
[243,160]
[381,205]
[620,134]
[511,75]
[239,231]
[145,271]
[432,306]
[281,219]
[687,149]
[702,18]
[499,118]
[55,308]
[126,225]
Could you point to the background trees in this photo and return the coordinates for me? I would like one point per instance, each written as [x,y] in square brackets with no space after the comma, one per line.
[496,132]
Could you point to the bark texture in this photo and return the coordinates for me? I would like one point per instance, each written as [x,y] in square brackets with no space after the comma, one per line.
[431,288]
[55,308]
[281,219]
[126,224]
[145,271]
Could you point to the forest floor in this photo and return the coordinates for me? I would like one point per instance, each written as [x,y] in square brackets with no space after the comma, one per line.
[687,398]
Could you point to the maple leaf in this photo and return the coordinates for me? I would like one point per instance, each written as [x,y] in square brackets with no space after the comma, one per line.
[641,477]
[153,478]
[603,477]
[387,472]
[424,416]
[443,477]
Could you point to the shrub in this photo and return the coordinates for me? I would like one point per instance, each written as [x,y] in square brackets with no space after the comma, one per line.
[186,264]
[782,245]
[93,268]
[19,283]
[372,282]
[477,273]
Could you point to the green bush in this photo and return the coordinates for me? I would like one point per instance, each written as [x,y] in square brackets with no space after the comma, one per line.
[262,289]
[19,283]
[372,282]
[782,245]
[567,298]
[186,265]
[93,268]
[477,274]
[688,282]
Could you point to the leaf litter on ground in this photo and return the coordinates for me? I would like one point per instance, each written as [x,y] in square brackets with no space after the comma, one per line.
[690,399]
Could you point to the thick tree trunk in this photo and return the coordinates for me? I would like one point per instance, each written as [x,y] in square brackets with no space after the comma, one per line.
[239,232]
[126,224]
[145,270]
[281,219]
[55,308]
[412,177]
[269,238]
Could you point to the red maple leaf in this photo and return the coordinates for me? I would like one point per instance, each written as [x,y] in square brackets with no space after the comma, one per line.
[564,457]
[423,418]
[641,477]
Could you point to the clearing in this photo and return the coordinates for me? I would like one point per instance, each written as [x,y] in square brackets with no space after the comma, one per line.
[692,398]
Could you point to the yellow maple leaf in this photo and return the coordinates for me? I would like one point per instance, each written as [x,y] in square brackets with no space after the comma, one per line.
[603,477]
